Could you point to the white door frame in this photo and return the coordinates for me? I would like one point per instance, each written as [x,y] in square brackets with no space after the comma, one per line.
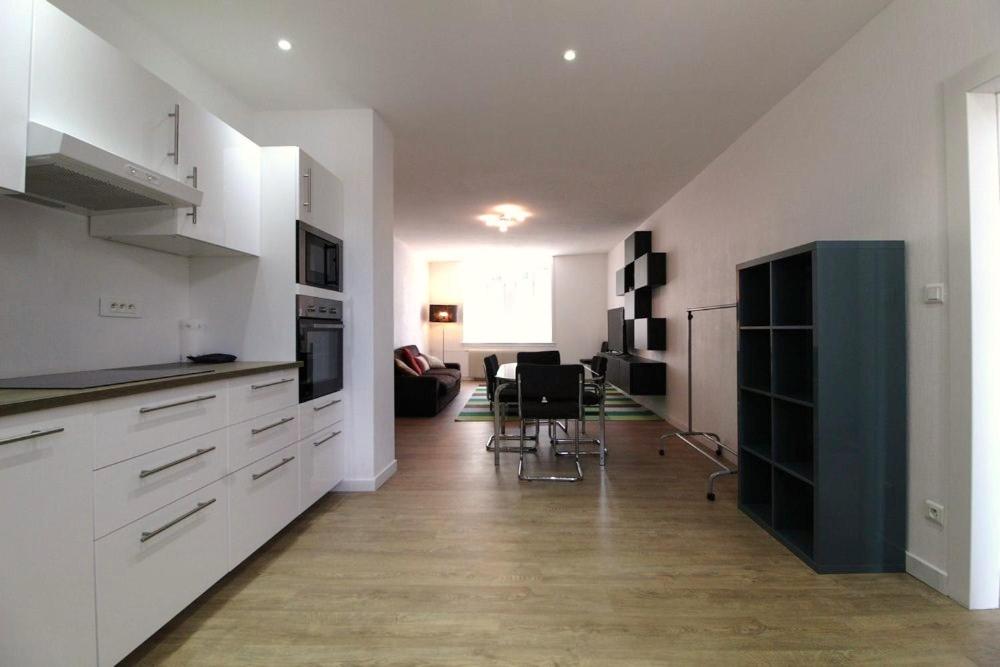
[973,521]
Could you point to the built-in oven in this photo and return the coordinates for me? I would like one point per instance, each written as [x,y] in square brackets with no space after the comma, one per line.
[320,346]
[320,258]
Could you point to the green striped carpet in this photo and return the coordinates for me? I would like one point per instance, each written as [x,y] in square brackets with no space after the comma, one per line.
[618,407]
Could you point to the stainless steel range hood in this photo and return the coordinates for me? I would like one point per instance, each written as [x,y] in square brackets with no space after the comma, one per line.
[65,172]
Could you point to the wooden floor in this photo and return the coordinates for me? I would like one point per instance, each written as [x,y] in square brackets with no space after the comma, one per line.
[453,562]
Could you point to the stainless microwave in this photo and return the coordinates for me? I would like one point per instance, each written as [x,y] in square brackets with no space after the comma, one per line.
[319,259]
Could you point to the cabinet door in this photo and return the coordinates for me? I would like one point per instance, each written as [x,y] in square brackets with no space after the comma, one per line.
[327,201]
[15,54]
[83,86]
[46,539]
[227,165]
[323,458]
[305,205]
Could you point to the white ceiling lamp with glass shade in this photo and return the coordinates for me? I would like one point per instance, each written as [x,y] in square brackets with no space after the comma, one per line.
[505,216]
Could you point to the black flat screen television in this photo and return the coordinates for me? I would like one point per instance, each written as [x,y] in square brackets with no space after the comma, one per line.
[616,330]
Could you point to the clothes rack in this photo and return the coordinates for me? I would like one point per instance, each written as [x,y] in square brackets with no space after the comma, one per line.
[685,436]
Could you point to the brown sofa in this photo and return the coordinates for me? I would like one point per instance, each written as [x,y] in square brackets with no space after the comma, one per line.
[425,395]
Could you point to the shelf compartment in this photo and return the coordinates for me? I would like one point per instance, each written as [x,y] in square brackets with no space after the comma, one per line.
[755,359]
[638,244]
[755,423]
[793,437]
[793,364]
[791,285]
[793,511]
[755,296]
[650,270]
[638,302]
[649,333]
[755,487]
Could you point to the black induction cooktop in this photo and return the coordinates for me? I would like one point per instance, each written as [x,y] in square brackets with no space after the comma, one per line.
[102,378]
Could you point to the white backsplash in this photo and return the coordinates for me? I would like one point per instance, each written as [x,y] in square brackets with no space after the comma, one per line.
[52,276]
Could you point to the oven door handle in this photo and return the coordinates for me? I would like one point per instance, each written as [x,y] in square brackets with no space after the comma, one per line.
[326,325]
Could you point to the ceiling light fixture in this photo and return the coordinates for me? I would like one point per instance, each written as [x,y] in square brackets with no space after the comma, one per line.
[505,216]
[569,55]
[284,45]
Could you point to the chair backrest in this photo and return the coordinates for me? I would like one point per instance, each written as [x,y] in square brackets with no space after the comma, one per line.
[492,365]
[549,391]
[599,365]
[605,347]
[549,357]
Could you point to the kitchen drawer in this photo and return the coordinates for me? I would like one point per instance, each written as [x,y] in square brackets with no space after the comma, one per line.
[263,498]
[134,425]
[321,413]
[131,489]
[323,458]
[253,440]
[256,395]
[151,569]
[47,538]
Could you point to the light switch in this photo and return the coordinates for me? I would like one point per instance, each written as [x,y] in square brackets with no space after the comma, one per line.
[934,293]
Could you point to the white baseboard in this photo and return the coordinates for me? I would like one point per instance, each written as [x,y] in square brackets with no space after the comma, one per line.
[367,484]
[931,575]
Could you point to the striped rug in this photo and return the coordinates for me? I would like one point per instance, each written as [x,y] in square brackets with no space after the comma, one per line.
[617,407]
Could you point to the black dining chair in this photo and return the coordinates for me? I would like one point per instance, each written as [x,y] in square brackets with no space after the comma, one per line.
[594,395]
[550,392]
[507,396]
[549,357]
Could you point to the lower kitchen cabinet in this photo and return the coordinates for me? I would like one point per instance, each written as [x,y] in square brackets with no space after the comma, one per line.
[152,568]
[264,497]
[46,539]
[323,463]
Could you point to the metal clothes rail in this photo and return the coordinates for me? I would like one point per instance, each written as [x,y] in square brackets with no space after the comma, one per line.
[685,436]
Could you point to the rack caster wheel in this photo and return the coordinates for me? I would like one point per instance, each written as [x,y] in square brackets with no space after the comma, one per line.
[662,452]
[710,496]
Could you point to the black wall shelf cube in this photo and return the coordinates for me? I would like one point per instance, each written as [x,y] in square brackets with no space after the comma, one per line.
[822,402]
[650,270]
[650,333]
[638,244]
[638,304]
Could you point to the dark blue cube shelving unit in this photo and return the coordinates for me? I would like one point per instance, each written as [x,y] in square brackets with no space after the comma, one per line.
[822,402]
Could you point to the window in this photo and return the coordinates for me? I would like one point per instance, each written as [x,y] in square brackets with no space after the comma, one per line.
[507,300]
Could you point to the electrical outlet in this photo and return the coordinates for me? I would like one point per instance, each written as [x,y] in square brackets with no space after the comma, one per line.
[935,512]
[934,293]
[117,307]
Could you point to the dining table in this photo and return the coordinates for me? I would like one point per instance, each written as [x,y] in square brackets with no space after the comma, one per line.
[508,373]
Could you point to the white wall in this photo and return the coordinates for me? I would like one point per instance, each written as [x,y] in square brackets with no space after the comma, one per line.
[579,309]
[355,145]
[52,275]
[855,152]
[410,293]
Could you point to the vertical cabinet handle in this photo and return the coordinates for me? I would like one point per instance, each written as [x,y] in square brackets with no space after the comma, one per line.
[193,177]
[176,115]
[309,189]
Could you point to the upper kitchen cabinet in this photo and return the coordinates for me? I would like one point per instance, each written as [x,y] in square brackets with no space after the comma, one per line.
[15,54]
[84,87]
[225,166]
[321,197]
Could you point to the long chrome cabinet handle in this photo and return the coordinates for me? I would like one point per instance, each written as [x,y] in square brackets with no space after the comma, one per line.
[327,438]
[258,475]
[309,189]
[193,213]
[255,431]
[317,408]
[150,534]
[186,401]
[255,387]
[31,436]
[176,115]
[194,455]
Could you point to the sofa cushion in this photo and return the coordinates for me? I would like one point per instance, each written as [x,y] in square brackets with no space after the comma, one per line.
[403,369]
[422,362]
[445,373]
[445,383]
[410,360]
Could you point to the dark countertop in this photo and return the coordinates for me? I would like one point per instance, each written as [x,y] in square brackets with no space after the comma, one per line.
[17,401]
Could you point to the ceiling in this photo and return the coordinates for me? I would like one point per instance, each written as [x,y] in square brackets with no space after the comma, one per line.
[485,111]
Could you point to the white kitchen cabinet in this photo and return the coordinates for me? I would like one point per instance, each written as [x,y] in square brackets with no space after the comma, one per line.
[320,197]
[151,569]
[83,86]
[321,413]
[15,54]
[323,460]
[46,539]
[263,498]
[252,440]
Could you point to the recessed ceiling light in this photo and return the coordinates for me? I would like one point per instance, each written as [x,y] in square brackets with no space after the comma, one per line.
[505,216]
[569,55]
[284,45]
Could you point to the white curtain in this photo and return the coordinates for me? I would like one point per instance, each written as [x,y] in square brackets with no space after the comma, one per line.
[507,301]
